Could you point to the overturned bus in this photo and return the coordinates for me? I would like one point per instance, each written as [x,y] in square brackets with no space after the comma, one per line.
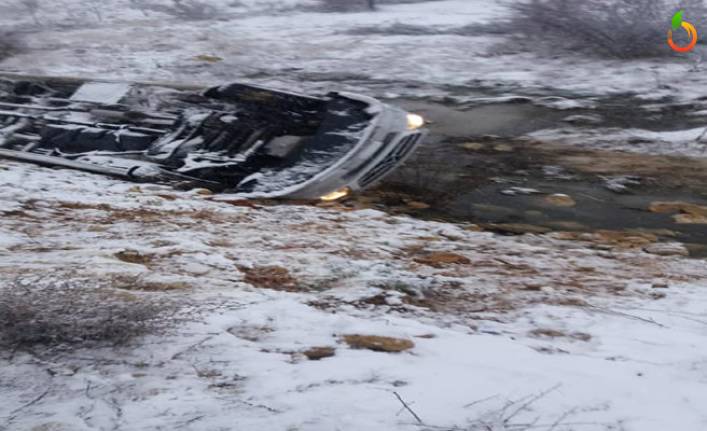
[237,138]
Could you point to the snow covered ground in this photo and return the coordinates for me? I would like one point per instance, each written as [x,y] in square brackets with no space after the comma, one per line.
[509,333]
[285,42]
[552,332]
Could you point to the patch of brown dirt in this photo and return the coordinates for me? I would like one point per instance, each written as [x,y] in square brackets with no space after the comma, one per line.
[685,212]
[318,353]
[618,239]
[462,302]
[441,259]
[134,256]
[553,333]
[378,344]
[690,219]
[83,206]
[132,283]
[241,203]
[271,277]
[678,207]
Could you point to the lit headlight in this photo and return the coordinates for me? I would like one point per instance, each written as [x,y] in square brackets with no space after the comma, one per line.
[415,121]
[341,193]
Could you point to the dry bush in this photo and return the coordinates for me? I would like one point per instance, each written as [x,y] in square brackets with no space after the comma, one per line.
[76,314]
[623,29]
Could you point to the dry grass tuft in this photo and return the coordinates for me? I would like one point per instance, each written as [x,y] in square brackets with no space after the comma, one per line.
[442,259]
[133,256]
[271,277]
[378,343]
[318,353]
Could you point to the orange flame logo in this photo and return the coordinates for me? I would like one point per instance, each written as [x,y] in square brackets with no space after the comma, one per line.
[678,23]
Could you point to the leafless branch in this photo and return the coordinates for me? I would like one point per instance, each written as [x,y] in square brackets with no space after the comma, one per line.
[34,401]
[407,407]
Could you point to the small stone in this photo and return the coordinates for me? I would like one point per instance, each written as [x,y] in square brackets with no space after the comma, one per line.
[504,148]
[202,192]
[378,344]
[660,285]
[560,200]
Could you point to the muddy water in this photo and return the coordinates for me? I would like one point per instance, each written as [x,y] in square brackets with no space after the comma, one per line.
[477,168]
[503,119]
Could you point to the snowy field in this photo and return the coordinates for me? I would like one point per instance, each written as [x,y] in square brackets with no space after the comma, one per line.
[554,332]
[288,44]
[505,333]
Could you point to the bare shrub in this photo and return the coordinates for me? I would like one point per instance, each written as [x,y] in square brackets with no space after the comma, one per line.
[76,314]
[610,28]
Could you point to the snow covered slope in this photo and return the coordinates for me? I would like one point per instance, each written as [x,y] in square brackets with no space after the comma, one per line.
[287,44]
[507,333]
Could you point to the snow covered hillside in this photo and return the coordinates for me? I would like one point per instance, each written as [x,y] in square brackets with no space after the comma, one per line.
[221,314]
[287,43]
[489,332]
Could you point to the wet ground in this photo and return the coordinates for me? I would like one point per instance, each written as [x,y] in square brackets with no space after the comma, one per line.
[476,167]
